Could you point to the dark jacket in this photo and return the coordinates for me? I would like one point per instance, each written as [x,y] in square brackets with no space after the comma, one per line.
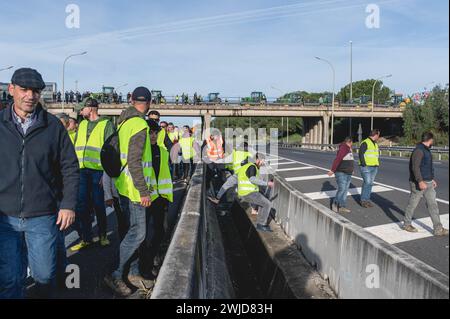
[421,165]
[39,172]
[344,161]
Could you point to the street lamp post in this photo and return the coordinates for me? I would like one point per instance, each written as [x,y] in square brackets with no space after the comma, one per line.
[373,97]
[332,103]
[351,71]
[63,74]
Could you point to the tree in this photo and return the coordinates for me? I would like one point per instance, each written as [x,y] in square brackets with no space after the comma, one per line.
[432,116]
[364,88]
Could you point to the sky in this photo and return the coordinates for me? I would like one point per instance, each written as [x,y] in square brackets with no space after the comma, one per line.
[233,47]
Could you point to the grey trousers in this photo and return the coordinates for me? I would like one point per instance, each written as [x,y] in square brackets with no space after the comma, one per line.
[259,200]
[231,182]
[430,197]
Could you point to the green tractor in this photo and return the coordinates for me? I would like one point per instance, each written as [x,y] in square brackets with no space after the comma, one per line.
[255,98]
[214,98]
[292,98]
[106,96]
[157,97]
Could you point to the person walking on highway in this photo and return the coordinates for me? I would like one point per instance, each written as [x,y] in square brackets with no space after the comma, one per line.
[342,168]
[249,182]
[72,129]
[188,152]
[423,184]
[369,162]
[91,135]
[135,186]
[162,196]
[38,188]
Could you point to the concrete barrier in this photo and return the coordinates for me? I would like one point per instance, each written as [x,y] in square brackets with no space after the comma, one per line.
[356,263]
[194,266]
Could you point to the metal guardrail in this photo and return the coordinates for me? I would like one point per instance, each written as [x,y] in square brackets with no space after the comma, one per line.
[390,150]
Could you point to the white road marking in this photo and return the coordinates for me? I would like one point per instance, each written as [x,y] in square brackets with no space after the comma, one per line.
[286,163]
[351,191]
[307,178]
[393,234]
[294,169]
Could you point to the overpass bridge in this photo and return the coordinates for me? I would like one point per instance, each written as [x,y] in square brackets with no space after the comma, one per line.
[316,118]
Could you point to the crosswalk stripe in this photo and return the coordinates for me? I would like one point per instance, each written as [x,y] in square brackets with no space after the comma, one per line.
[307,178]
[285,163]
[351,191]
[294,169]
[393,234]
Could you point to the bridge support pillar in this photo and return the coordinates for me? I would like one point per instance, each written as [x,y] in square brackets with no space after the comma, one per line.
[326,130]
[315,134]
[206,119]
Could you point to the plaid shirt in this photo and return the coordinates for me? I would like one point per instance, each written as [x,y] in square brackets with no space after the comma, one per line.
[23,125]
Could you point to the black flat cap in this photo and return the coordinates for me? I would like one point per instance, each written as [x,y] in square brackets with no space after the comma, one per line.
[141,94]
[28,79]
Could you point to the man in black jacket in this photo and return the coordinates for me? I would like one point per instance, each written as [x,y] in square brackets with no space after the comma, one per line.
[423,184]
[38,188]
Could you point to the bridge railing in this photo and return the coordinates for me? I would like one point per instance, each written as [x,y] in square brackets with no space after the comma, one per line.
[439,153]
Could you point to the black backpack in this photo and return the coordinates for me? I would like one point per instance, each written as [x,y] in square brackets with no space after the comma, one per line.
[110,156]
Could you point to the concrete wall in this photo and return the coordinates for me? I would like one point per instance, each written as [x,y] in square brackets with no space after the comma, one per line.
[194,266]
[349,257]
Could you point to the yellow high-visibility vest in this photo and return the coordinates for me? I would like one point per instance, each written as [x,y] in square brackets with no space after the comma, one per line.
[173,136]
[165,183]
[372,154]
[161,138]
[187,147]
[238,158]
[245,187]
[72,135]
[88,150]
[124,183]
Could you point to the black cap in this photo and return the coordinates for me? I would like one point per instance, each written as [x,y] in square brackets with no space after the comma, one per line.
[28,79]
[153,125]
[90,102]
[141,94]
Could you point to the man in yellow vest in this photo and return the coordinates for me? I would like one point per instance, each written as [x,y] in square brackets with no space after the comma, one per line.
[72,129]
[136,186]
[240,157]
[161,197]
[91,135]
[369,161]
[188,152]
[249,182]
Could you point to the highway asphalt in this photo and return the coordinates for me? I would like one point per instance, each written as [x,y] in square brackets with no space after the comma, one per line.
[306,170]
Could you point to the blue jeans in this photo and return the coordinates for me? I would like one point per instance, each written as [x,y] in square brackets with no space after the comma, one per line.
[343,182]
[368,173]
[27,242]
[90,197]
[136,215]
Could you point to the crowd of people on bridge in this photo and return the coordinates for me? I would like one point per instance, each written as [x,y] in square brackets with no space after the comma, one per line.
[58,173]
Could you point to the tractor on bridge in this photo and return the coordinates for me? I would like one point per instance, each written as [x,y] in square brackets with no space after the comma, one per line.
[106,96]
[157,97]
[214,98]
[397,100]
[291,98]
[255,98]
